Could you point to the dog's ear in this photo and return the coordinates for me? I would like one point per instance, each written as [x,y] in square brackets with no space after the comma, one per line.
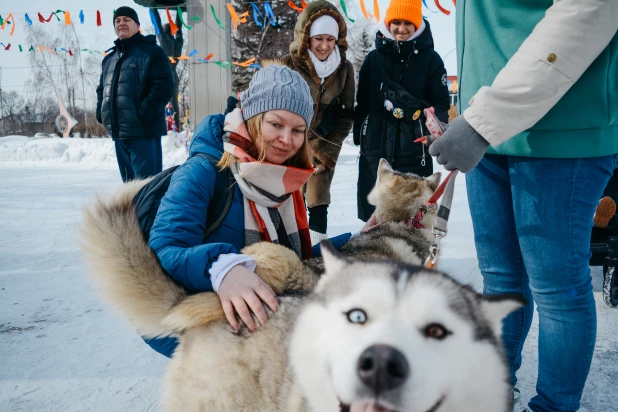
[385,170]
[333,261]
[433,181]
[496,308]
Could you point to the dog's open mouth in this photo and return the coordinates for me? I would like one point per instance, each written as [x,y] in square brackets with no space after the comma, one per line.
[365,407]
[377,407]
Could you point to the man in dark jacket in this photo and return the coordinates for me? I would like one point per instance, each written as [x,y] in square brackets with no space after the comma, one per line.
[402,70]
[136,84]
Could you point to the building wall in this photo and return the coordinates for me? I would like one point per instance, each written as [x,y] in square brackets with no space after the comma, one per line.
[209,84]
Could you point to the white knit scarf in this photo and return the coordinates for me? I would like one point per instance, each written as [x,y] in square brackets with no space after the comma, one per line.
[327,67]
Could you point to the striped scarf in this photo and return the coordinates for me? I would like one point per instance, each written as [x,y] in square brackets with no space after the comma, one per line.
[267,186]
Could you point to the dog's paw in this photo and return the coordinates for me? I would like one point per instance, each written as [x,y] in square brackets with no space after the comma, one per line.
[274,262]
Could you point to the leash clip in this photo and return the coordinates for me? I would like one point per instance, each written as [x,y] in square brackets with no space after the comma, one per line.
[434,250]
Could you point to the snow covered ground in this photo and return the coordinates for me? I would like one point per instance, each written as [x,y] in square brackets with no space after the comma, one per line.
[63,350]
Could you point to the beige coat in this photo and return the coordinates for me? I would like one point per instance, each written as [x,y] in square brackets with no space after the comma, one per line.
[333,100]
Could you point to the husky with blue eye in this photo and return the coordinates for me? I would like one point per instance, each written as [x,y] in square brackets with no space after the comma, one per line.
[362,329]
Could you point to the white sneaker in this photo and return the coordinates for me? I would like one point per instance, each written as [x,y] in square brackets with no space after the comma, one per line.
[317,237]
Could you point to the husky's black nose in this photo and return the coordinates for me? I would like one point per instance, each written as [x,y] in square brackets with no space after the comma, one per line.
[382,367]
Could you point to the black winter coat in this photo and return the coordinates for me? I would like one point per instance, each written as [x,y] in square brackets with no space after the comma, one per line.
[136,83]
[418,69]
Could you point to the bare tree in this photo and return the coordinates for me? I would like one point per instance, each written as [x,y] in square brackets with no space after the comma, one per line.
[10,115]
[69,70]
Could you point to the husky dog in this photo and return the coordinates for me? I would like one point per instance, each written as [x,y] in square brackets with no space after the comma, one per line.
[368,330]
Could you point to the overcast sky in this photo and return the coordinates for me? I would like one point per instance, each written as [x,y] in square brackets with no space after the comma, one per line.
[15,64]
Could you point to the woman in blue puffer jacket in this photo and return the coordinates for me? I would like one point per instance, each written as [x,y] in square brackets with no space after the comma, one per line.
[265,147]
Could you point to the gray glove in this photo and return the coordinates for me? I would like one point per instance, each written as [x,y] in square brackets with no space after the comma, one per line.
[460,147]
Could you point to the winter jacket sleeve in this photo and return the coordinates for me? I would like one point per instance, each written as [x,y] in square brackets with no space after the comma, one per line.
[160,85]
[362,97]
[437,89]
[99,98]
[558,51]
[328,151]
[100,89]
[177,235]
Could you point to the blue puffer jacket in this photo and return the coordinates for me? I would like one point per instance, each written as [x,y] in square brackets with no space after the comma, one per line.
[178,230]
[177,235]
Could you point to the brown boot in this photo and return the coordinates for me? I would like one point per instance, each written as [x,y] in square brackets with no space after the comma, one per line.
[605,211]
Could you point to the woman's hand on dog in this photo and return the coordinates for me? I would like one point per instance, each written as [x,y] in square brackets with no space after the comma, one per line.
[371,223]
[243,292]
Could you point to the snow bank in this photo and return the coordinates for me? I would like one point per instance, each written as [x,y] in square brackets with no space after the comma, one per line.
[98,151]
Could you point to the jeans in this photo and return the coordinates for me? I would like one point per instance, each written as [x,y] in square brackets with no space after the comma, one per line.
[532,220]
[139,158]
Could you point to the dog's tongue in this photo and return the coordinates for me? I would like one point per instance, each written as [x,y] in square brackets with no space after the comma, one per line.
[367,407]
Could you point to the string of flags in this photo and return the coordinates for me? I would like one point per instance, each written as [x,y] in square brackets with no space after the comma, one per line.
[251,63]
[260,17]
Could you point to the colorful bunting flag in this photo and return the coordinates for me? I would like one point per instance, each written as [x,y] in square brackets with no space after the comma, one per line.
[173,26]
[99,18]
[212,10]
[153,19]
[295,7]
[268,10]
[345,10]
[179,11]
[376,10]
[81,17]
[28,19]
[256,16]
[236,19]
[442,9]
[245,63]
[4,23]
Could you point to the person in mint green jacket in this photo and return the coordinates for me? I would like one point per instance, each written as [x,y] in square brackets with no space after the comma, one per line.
[538,138]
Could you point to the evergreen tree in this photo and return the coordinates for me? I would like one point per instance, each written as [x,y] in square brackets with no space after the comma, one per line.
[360,43]
[272,41]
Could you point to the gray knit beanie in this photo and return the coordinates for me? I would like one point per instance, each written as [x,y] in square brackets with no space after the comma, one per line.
[277,88]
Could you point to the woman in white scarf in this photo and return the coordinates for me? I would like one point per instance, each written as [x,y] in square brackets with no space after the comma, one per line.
[318,54]
[323,49]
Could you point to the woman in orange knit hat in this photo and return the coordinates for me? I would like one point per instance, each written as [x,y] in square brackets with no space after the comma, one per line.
[397,80]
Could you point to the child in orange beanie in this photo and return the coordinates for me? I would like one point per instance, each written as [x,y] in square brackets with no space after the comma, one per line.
[404,11]
[403,75]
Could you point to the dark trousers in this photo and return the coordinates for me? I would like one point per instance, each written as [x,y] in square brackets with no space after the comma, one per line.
[139,158]
[318,218]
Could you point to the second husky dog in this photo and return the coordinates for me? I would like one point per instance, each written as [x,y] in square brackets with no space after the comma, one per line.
[377,334]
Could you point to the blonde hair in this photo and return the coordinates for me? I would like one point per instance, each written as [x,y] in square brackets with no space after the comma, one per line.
[301,160]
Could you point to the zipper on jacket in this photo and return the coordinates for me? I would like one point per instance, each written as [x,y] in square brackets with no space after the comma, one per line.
[113,94]
[414,47]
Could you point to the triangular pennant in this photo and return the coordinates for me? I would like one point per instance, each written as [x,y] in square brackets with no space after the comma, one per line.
[173,26]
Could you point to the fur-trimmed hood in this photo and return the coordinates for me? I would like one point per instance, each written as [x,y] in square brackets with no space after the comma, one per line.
[300,46]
